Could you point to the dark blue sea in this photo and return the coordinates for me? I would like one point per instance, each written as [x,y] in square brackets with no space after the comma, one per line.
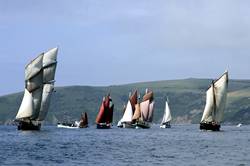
[180,145]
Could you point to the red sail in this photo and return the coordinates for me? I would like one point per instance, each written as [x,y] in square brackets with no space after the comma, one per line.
[105,114]
[101,114]
[109,118]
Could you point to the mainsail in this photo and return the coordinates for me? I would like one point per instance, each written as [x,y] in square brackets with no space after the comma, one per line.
[39,84]
[167,115]
[216,100]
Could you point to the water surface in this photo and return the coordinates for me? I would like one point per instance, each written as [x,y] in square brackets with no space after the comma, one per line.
[180,145]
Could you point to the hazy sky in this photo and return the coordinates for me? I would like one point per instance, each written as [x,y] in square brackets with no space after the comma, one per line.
[106,42]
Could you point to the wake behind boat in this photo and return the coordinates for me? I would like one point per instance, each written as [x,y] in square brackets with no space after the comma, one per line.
[215,104]
[83,123]
[39,85]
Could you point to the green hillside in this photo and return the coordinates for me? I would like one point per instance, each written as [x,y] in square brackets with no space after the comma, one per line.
[187,101]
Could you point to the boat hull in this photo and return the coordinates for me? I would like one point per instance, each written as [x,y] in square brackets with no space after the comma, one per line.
[209,126]
[103,126]
[66,126]
[166,125]
[28,126]
[142,124]
[128,125]
[83,126]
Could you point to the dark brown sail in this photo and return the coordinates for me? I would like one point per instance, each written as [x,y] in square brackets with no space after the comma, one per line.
[83,121]
[133,100]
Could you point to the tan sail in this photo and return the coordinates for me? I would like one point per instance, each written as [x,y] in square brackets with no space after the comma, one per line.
[144,110]
[137,113]
[148,96]
[151,112]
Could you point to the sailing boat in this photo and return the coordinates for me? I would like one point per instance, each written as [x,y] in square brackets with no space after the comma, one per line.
[215,104]
[39,85]
[166,117]
[83,123]
[146,109]
[105,116]
[126,121]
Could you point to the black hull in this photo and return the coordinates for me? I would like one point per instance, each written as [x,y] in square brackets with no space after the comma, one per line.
[209,126]
[143,125]
[128,125]
[85,126]
[165,125]
[103,126]
[28,126]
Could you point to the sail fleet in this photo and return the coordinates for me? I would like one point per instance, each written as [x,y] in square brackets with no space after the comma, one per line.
[137,113]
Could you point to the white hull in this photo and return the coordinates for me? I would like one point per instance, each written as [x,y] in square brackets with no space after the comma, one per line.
[165,126]
[67,127]
[239,125]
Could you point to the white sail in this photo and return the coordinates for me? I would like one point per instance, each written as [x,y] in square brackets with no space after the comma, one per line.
[26,107]
[220,91]
[167,114]
[34,74]
[209,108]
[128,114]
[47,91]
[37,100]
[144,110]
[216,100]
[39,82]
[151,111]
[49,65]
[34,67]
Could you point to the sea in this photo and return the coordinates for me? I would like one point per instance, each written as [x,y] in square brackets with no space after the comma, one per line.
[180,145]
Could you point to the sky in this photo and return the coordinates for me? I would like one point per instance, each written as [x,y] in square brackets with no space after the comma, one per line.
[111,42]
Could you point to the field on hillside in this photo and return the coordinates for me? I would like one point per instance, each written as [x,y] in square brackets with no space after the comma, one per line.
[187,101]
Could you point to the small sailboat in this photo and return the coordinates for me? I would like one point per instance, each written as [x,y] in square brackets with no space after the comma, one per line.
[39,85]
[105,116]
[126,121]
[166,117]
[146,109]
[215,104]
[83,123]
